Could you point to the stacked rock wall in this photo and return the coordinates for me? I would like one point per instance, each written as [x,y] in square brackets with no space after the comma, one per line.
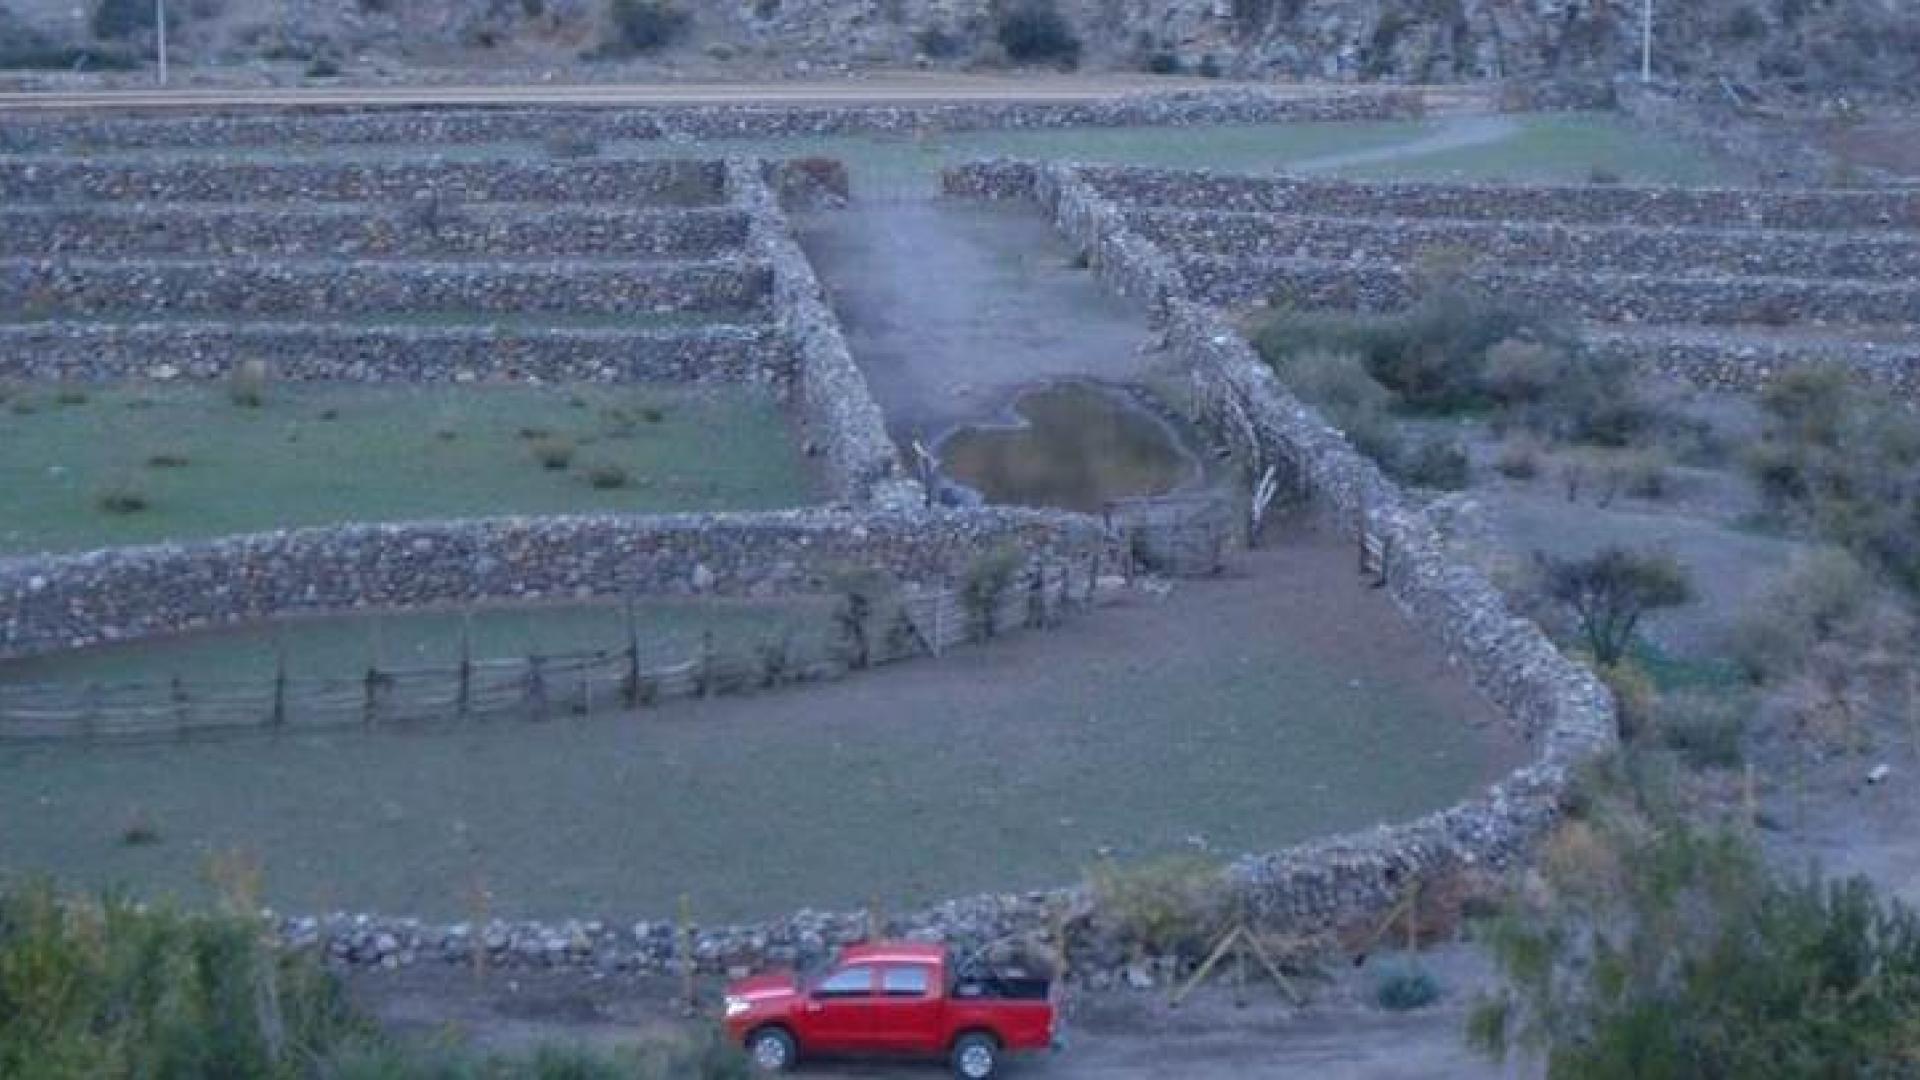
[427,127]
[830,393]
[49,603]
[1560,707]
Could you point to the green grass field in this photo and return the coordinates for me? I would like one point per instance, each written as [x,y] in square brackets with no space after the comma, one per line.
[1565,148]
[1252,711]
[320,454]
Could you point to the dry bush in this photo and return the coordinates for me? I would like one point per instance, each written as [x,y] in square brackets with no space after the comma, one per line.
[1824,592]
[1170,905]
[607,476]
[1520,458]
[553,451]
[247,384]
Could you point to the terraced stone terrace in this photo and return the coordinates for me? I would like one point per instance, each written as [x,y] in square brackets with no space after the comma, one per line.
[1721,286]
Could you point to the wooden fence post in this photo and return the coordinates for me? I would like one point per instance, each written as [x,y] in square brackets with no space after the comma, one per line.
[370,708]
[279,717]
[536,687]
[182,721]
[633,656]
[463,696]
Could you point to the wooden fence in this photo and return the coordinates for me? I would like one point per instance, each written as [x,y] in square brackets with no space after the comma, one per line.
[918,622]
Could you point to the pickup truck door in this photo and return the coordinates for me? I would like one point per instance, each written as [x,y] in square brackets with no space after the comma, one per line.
[839,1015]
[911,1009]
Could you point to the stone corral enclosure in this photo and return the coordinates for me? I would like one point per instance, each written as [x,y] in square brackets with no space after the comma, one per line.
[1724,288]
[115,264]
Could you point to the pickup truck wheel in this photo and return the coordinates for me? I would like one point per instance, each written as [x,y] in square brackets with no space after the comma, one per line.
[772,1050]
[975,1056]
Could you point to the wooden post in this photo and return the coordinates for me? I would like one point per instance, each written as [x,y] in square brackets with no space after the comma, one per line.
[633,655]
[279,718]
[181,719]
[536,687]
[463,696]
[370,706]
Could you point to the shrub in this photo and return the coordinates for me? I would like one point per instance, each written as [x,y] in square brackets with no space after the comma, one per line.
[1609,592]
[645,25]
[113,19]
[939,43]
[606,476]
[108,988]
[1403,989]
[122,497]
[553,451]
[168,459]
[247,384]
[1845,465]
[71,395]
[1438,463]
[323,67]
[1035,31]
[866,595]
[988,578]
[1810,604]
[1164,62]
[1635,700]
[1696,962]
[1170,905]
[571,145]
[1600,174]
[1519,459]
[139,831]
[1209,67]
[1348,397]
[1705,730]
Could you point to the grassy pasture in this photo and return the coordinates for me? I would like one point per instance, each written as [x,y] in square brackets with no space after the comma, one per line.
[321,454]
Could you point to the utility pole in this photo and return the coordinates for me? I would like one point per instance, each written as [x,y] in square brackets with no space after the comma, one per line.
[160,27]
[1646,41]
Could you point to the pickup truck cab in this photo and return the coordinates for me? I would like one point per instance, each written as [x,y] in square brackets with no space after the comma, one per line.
[905,999]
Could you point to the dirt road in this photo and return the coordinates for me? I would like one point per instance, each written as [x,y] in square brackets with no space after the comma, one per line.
[1112,1035]
[893,88]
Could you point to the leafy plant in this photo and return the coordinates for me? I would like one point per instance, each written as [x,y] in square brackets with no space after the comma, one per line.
[1034,30]
[1611,591]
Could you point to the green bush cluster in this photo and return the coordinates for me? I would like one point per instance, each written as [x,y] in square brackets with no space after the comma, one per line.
[1675,954]
[1169,905]
[106,989]
[1844,465]
[1460,350]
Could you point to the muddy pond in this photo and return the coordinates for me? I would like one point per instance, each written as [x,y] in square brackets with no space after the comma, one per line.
[1071,445]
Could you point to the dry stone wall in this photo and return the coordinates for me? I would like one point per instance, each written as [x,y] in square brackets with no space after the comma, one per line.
[49,603]
[1879,256]
[1734,288]
[322,287]
[321,352]
[1631,298]
[1556,704]
[228,180]
[368,230]
[836,408]
[431,127]
[1593,204]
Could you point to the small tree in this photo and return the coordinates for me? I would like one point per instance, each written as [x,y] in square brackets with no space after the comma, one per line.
[1610,591]
[643,25]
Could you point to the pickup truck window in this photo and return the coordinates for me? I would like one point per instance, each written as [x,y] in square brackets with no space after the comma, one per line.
[905,981]
[855,981]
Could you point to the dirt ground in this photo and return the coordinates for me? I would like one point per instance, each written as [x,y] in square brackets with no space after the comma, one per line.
[950,306]
[1338,1034]
[1891,144]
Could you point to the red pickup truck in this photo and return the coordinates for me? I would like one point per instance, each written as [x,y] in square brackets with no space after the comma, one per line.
[900,999]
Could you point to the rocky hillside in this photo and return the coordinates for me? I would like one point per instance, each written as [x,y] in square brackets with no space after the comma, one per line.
[1817,47]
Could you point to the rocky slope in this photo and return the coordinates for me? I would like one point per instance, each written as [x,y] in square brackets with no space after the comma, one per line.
[1816,47]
